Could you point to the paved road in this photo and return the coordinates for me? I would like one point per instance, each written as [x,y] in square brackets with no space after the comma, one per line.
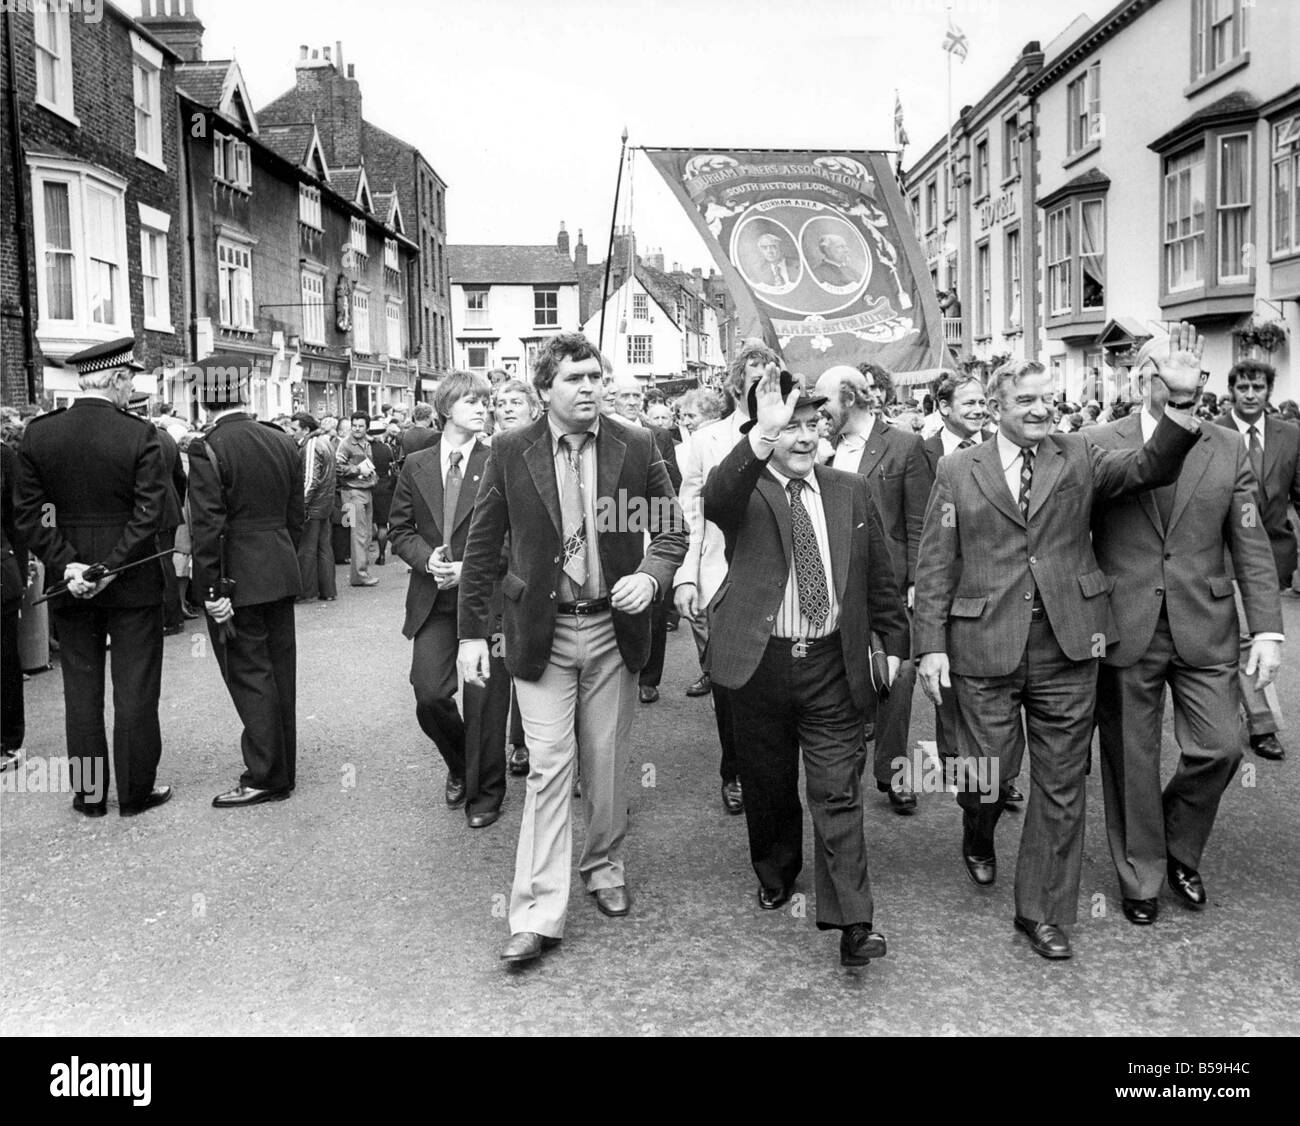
[363,906]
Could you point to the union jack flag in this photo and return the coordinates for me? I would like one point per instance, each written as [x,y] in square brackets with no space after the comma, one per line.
[955,41]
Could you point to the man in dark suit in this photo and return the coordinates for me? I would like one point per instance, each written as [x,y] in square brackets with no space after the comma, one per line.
[1273,450]
[421,434]
[576,493]
[834,268]
[172,516]
[810,578]
[430,523]
[894,465]
[91,489]
[247,514]
[1011,601]
[1173,598]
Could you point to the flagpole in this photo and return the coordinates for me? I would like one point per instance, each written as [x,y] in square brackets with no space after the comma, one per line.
[609,253]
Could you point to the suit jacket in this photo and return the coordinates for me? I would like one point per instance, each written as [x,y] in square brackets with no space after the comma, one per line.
[668,452]
[1281,485]
[176,482]
[828,272]
[417,438]
[519,495]
[92,489]
[894,463]
[415,526]
[257,505]
[1183,566]
[705,564]
[932,447]
[980,560]
[752,509]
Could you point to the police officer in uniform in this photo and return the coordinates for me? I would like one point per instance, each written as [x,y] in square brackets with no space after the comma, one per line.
[91,489]
[247,516]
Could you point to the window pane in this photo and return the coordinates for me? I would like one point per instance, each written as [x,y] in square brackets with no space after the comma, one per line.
[1234,171]
[58,254]
[1092,260]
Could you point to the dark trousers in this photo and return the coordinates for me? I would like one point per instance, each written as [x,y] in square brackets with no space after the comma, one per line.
[893,723]
[136,634]
[1052,698]
[171,585]
[792,702]
[316,559]
[1145,825]
[259,667]
[727,765]
[13,726]
[516,737]
[474,747]
[653,672]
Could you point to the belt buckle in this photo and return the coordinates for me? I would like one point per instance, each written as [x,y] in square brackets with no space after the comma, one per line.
[799,648]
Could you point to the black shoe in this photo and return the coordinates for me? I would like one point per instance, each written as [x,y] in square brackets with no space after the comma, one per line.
[903,801]
[859,944]
[483,820]
[243,795]
[517,760]
[1012,796]
[173,630]
[158,795]
[978,854]
[701,687]
[733,797]
[1185,883]
[90,809]
[649,694]
[772,899]
[1047,939]
[455,792]
[1268,746]
[1141,912]
[982,869]
[614,902]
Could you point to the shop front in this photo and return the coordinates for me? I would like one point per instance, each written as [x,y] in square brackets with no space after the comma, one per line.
[322,387]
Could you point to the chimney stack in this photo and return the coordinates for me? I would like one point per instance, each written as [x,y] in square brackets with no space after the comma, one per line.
[174,22]
[580,252]
[562,240]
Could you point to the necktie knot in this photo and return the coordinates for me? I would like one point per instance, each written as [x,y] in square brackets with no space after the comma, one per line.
[1027,455]
[454,457]
[794,487]
[965,444]
[1253,432]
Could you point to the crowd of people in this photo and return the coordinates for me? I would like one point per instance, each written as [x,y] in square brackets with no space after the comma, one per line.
[1042,568]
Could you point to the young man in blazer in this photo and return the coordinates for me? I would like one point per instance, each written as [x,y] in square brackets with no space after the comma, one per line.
[577,493]
[430,519]
[1012,612]
[810,580]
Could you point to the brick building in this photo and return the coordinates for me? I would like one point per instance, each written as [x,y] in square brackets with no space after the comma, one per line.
[90,246]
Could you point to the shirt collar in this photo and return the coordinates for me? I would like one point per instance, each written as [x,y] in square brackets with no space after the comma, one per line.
[557,434]
[810,481]
[1245,426]
[464,449]
[1008,451]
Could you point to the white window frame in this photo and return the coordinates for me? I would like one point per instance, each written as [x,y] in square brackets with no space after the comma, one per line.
[983,289]
[146,76]
[931,190]
[231,161]
[312,288]
[309,210]
[1284,168]
[235,301]
[1225,211]
[357,237]
[1059,257]
[1180,180]
[546,313]
[393,326]
[1083,110]
[154,228]
[1214,21]
[390,254]
[1011,272]
[470,349]
[477,312]
[59,53]
[360,321]
[78,180]
[640,306]
[641,349]
[1010,147]
[982,185]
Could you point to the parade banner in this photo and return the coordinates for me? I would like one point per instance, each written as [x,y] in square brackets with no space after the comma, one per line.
[818,251]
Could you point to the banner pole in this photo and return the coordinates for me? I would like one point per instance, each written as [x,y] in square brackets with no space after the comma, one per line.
[609,253]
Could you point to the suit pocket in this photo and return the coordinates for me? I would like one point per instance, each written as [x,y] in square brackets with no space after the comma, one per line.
[512,587]
[968,607]
[1094,583]
[1220,586]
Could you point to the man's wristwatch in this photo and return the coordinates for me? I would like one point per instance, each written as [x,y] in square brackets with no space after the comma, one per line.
[1184,406]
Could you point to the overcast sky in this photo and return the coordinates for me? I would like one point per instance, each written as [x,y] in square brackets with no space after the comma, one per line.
[519,104]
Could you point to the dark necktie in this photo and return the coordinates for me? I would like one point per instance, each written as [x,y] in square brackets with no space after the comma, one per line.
[965,444]
[1256,454]
[451,494]
[573,511]
[1026,480]
[809,574]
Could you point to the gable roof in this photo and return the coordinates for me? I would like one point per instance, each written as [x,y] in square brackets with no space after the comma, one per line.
[509,265]
[389,209]
[300,145]
[219,84]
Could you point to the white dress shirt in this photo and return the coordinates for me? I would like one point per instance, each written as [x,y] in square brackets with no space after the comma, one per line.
[1012,462]
[790,620]
[1243,428]
[848,454]
[595,585]
[951,441]
[445,449]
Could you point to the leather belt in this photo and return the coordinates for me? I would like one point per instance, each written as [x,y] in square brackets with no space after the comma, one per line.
[805,647]
[583,606]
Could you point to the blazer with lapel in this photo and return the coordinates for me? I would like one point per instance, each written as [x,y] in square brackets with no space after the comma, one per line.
[748,504]
[894,463]
[705,564]
[415,526]
[980,559]
[1281,486]
[932,447]
[1184,565]
[520,496]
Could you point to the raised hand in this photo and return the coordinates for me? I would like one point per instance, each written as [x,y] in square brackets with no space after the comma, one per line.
[772,410]
[1180,368]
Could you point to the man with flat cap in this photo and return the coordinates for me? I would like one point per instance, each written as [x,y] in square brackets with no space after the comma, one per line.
[91,490]
[247,515]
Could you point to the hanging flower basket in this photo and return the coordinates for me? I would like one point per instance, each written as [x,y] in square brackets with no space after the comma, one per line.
[1268,336]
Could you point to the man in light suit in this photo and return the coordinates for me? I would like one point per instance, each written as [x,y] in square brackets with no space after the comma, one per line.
[810,579]
[576,493]
[705,565]
[892,461]
[1173,598]
[1273,449]
[1012,612]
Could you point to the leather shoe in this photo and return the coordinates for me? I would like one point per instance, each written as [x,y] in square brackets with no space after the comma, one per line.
[1012,796]
[173,630]
[517,760]
[1141,912]
[613,901]
[483,820]
[903,801]
[368,580]
[527,946]
[1268,746]
[649,694]
[90,809]
[455,792]
[773,899]
[1185,883]
[243,795]
[157,796]
[982,869]
[1047,939]
[859,944]
[733,797]
[701,687]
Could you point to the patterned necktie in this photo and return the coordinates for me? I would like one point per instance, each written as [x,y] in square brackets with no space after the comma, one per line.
[451,494]
[573,511]
[1026,480]
[809,574]
[1256,454]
